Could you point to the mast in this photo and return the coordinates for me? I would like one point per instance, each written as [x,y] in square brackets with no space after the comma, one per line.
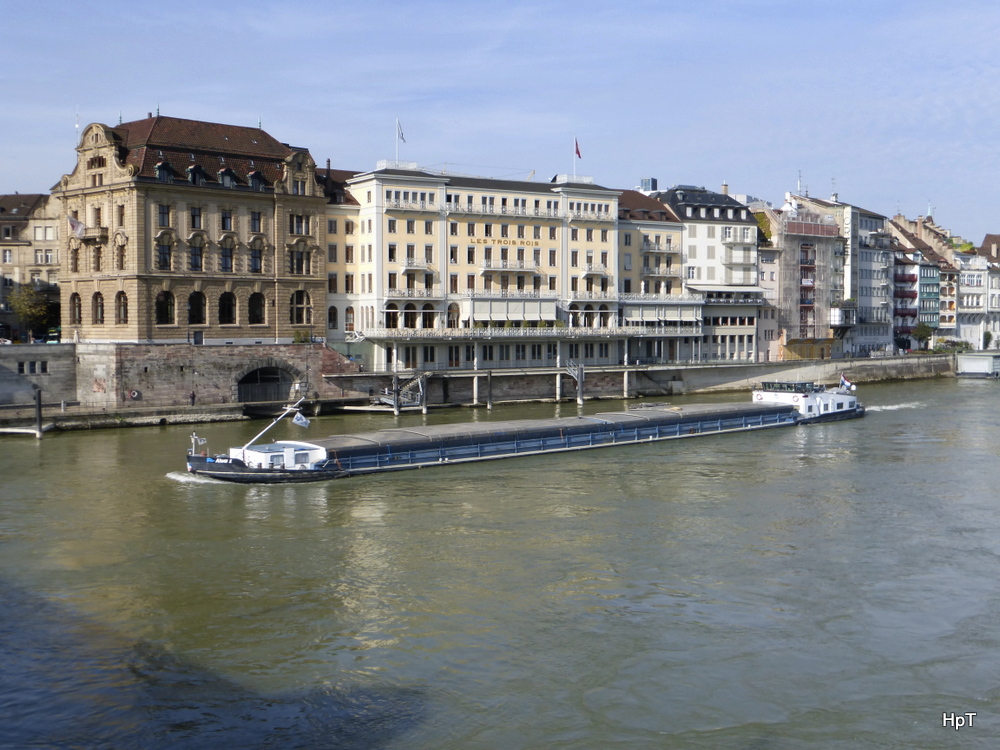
[288,410]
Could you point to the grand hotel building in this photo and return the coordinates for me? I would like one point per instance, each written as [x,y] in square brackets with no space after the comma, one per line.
[216,234]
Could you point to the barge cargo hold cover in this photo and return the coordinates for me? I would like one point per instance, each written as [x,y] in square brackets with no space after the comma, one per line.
[418,446]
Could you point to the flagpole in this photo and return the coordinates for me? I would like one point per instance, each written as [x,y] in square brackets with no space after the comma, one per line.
[397,141]
[576,148]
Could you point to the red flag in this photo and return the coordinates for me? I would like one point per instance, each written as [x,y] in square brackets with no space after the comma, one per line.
[576,145]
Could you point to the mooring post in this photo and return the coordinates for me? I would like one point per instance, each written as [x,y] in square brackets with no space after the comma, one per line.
[423,394]
[579,386]
[395,394]
[475,390]
[38,413]
[625,383]
[558,386]
[489,389]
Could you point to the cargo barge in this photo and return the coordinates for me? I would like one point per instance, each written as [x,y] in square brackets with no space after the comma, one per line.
[399,448]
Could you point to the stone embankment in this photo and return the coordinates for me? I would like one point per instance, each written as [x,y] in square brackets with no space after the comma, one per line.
[458,388]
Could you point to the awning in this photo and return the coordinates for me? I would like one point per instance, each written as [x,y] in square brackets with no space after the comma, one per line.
[731,289]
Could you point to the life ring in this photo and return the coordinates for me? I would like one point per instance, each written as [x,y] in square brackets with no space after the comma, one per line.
[795,399]
[760,396]
[134,395]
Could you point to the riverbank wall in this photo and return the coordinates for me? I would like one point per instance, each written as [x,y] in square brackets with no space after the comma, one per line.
[336,382]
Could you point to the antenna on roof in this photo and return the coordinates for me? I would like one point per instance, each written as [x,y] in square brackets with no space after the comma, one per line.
[78,124]
[119,117]
[531,176]
[157,109]
[798,185]
[258,122]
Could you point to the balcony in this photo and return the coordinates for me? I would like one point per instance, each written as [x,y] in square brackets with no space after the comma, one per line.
[807,260]
[506,294]
[905,312]
[807,282]
[414,263]
[905,278]
[663,270]
[411,205]
[593,295]
[595,269]
[413,293]
[738,259]
[97,234]
[843,317]
[659,247]
[905,294]
[807,302]
[509,265]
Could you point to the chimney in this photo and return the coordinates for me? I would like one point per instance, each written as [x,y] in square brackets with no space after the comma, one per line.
[149,115]
[328,169]
[725,188]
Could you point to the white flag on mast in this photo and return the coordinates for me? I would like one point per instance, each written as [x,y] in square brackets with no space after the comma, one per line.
[399,131]
[300,420]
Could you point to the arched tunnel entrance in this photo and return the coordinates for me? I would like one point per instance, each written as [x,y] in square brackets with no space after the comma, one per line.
[265,384]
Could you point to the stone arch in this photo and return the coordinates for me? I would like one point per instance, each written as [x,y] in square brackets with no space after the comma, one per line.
[265,379]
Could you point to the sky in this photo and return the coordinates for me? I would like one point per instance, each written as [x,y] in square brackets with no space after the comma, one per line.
[892,104]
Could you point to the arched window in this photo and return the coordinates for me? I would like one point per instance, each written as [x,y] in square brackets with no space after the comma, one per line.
[227,308]
[197,253]
[331,318]
[300,310]
[391,316]
[255,309]
[427,316]
[75,309]
[453,316]
[410,315]
[121,308]
[349,319]
[98,308]
[196,308]
[164,309]
[226,247]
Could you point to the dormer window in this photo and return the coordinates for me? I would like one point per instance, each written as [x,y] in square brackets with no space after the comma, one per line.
[226,178]
[164,173]
[257,181]
[196,175]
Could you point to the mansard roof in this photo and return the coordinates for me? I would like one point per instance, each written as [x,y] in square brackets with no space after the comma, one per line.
[690,196]
[213,147]
[488,183]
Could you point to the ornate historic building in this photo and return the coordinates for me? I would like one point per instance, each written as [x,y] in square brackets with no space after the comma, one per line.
[180,230]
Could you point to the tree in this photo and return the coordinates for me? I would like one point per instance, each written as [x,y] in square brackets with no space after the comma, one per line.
[30,306]
[922,333]
[987,338]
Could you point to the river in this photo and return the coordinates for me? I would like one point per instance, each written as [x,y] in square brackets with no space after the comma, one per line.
[820,587]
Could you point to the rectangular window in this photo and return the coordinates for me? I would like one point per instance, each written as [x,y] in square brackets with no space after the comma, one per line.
[470,229]
[574,258]
[391,251]
[391,226]
[574,234]
[410,226]
[226,218]
[590,235]
[453,229]
[196,218]
[331,226]
[487,230]
[470,256]
[348,283]
[428,227]
[453,283]
[164,215]
[255,225]
[331,253]
[331,283]
[552,233]
[348,253]
[453,254]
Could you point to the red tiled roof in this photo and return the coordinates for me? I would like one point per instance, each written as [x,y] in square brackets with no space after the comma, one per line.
[187,143]
[635,205]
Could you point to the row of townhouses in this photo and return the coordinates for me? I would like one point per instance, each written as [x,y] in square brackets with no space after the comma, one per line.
[170,230]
